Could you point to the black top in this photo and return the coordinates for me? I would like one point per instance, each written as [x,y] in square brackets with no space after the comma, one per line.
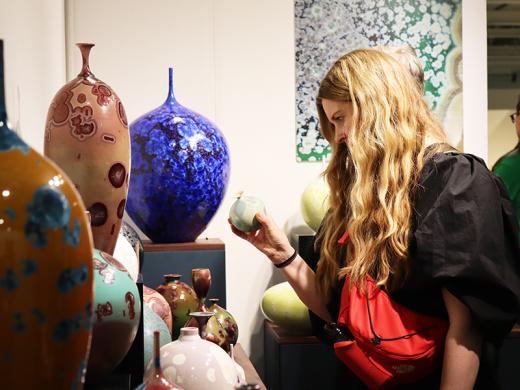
[464,237]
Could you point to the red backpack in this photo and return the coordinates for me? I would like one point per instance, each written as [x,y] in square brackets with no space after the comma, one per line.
[391,345]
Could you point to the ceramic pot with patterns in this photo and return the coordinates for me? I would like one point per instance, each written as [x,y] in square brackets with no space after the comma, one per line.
[159,305]
[45,269]
[195,363]
[209,328]
[86,134]
[117,313]
[181,298]
[226,320]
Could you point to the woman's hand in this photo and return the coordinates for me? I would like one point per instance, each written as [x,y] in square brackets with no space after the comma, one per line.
[269,239]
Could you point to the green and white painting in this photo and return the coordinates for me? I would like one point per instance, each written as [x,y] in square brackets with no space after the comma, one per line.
[327,29]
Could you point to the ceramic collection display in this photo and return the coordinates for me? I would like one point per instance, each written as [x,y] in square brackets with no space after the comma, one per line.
[195,363]
[117,312]
[159,305]
[45,268]
[181,298]
[281,305]
[152,323]
[86,134]
[180,171]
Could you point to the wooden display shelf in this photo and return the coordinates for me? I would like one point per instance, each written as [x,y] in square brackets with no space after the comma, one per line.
[200,244]
[243,360]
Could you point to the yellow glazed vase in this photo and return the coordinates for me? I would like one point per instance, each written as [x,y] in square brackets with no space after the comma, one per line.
[46,282]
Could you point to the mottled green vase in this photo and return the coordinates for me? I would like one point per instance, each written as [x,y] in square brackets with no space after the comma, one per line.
[226,320]
[181,298]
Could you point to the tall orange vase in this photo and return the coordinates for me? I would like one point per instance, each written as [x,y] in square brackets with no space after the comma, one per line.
[86,134]
[46,284]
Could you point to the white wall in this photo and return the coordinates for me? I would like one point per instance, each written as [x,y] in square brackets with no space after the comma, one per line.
[34,53]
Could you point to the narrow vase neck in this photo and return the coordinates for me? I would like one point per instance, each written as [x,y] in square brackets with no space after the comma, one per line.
[3,109]
[85,55]
[170,99]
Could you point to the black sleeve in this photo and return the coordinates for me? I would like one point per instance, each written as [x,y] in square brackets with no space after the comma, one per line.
[467,240]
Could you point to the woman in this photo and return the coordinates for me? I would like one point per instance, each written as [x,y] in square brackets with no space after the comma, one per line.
[433,227]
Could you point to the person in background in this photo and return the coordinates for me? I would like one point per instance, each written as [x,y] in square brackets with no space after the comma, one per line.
[508,166]
[431,225]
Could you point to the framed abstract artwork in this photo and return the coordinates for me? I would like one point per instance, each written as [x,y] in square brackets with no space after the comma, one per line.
[327,29]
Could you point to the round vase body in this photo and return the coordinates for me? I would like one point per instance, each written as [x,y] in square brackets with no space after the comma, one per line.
[196,364]
[281,305]
[226,320]
[133,238]
[243,211]
[87,135]
[209,328]
[117,312]
[159,305]
[45,271]
[126,255]
[153,322]
[314,202]
[181,298]
[180,170]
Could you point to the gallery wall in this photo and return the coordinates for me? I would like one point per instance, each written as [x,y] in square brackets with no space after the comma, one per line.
[233,62]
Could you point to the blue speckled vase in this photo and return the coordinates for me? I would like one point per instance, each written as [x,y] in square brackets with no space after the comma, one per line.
[180,171]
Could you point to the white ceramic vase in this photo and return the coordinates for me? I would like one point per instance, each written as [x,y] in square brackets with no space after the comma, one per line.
[197,364]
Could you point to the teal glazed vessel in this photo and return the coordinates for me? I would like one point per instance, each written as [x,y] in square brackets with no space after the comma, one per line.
[45,269]
[153,322]
[117,310]
[180,171]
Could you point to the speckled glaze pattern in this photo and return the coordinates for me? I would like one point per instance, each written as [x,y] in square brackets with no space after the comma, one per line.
[117,310]
[86,134]
[180,170]
[226,320]
[153,322]
[159,305]
[181,298]
[209,328]
[133,238]
[45,269]
[194,363]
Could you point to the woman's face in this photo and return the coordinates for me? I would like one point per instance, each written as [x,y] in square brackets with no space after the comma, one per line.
[339,114]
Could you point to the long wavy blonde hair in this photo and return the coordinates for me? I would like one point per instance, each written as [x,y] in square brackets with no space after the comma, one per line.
[373,176]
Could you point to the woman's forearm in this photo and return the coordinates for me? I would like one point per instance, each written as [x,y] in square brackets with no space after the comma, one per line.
[303,280]
[461,359]
[462,347]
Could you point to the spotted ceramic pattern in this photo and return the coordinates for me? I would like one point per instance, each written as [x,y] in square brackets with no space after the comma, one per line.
[180,171]
[181,298]
[159,305]
[117,312]
[194,363]
[45,271]
[326,29]
[87,135]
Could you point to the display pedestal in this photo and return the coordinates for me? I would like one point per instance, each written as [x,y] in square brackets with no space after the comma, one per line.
[301,362]
[161,259]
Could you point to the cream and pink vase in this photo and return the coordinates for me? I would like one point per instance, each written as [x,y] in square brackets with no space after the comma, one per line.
[86,134]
